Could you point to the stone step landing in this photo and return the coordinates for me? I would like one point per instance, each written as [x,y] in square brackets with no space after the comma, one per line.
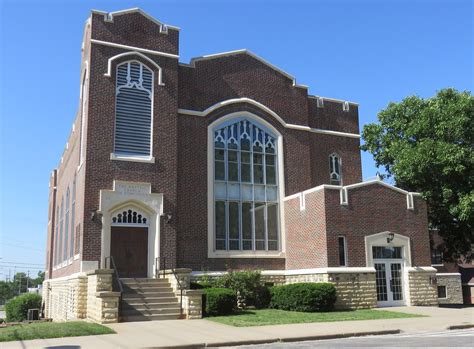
[148,299]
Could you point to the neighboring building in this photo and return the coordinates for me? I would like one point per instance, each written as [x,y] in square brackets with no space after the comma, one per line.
[225,162]
[455,281]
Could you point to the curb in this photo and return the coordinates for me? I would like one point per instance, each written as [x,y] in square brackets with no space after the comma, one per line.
[282,340]
[339,335]
[460,327]
[300,339]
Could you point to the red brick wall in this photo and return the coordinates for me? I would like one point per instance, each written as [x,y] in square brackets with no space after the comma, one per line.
[375,209]
[306,244]
[180,141]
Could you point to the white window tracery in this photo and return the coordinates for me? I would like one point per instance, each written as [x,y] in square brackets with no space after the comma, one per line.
[133,112]
[128,217]
[246,209]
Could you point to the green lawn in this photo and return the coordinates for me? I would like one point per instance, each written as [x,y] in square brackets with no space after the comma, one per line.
[51,330]
[278,317]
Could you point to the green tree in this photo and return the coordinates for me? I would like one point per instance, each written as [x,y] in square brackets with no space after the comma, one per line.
[426,145]
[7,291]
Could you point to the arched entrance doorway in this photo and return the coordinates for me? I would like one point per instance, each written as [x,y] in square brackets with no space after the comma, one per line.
[129,242]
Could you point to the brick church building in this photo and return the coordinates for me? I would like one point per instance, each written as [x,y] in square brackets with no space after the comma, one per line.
[223,162]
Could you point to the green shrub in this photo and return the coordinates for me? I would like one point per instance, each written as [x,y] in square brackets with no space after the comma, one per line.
[308,297]
[244,283]
[219,301]
[262,297]
[17,308]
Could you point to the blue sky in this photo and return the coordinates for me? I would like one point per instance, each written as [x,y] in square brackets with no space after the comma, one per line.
[364,51]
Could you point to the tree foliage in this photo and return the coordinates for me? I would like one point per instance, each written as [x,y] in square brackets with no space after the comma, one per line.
[426,145]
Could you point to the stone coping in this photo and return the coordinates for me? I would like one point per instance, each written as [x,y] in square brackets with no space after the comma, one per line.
[100,271]
[328,270]
[193,292]
[176,270]
[421,270]
[103,294]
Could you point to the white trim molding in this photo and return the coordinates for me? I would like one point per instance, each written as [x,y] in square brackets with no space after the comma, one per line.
[134,48]
[193,61]
[135,53]
[270,112]
[109,17]
[344,192]
[290,272]
[448,274]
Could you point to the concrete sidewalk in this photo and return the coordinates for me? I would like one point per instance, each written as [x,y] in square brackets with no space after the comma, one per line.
[196,333]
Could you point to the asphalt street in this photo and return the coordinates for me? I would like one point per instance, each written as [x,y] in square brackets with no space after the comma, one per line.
[451,339]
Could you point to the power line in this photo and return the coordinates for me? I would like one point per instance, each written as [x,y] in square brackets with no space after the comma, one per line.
[19,263]
[26,247]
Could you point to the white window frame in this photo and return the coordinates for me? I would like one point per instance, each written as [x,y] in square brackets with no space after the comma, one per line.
[345,251]
[84,93]
[135,157]
[212,252]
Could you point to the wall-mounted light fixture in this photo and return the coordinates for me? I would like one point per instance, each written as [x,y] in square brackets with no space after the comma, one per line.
[96,216]
[390,237]
[167,217]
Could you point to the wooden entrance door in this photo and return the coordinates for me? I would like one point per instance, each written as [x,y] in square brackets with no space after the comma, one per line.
[129,247]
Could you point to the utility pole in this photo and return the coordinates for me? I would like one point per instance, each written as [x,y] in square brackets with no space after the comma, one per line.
[27,278]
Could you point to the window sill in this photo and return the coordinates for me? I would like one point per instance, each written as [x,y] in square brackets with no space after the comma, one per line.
[145,159]
[246,254]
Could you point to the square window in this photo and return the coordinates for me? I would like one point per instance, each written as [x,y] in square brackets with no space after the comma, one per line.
[442,292]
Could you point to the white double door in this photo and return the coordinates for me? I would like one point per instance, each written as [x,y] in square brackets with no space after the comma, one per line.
[389,282]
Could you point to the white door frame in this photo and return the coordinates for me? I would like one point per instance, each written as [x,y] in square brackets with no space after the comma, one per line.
[388,277]
[382,239]
[132,195]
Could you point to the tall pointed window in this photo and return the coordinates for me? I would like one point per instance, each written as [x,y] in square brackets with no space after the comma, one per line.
[61,232]
[246,210]
[66,227]
[56,240]
[73,218]
[335,169]
[133,113]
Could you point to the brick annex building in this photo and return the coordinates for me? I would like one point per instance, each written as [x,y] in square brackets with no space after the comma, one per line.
[225,162]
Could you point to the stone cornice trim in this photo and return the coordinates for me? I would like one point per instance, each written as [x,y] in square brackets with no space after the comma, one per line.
[267,110]
[134,48]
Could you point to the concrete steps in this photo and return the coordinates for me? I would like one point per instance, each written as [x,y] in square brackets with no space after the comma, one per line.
[148,300]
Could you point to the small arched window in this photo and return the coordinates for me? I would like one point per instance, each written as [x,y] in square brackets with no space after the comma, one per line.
[133,110]
[335,169]
[73,218]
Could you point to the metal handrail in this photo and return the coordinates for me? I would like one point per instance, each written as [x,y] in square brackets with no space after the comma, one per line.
[173,270]
[114,267]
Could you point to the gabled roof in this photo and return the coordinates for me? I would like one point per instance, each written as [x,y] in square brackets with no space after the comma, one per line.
[111,15]
[249,53]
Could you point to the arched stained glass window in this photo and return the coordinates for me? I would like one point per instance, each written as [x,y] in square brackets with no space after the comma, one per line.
[246,209]
[133,113]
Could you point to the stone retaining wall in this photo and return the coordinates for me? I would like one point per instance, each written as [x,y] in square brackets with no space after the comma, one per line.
[354,290]
[65,298]
[102,302]
[452,281]
[422,286]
